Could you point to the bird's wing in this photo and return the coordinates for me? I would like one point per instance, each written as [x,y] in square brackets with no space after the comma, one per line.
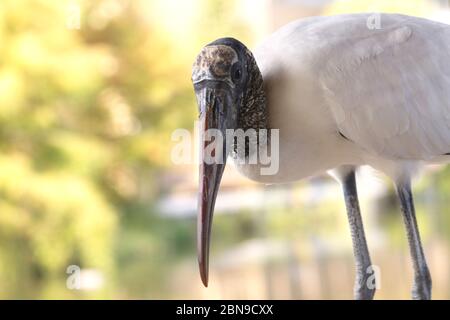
[389,89]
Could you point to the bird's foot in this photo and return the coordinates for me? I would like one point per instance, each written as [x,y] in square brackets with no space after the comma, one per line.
[364,289]
[422,288]
[366,294]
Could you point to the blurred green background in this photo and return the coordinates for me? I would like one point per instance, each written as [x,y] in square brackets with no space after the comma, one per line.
[90,93]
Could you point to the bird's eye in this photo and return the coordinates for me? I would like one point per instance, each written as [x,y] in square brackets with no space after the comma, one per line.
[236,72]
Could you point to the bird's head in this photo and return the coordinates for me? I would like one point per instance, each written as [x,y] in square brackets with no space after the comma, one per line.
[229,90]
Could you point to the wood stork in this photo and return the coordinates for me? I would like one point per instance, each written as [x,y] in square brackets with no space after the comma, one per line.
[342,94]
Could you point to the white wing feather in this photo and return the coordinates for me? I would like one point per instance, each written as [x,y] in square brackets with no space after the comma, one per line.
[389,89]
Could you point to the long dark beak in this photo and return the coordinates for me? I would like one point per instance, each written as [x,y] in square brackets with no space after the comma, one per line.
[210,102]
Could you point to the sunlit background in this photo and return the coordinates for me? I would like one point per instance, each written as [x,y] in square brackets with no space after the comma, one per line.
[91,205]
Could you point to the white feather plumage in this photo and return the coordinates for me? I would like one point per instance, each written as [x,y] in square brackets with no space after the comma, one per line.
[387,90]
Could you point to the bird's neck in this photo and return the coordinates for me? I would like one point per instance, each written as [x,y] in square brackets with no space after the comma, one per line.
[253,114]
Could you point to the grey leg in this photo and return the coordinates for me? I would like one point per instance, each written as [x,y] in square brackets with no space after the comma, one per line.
[422,280]
[363,289]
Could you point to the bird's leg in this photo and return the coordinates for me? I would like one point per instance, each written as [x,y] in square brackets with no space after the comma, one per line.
[422,279]
[364,289]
